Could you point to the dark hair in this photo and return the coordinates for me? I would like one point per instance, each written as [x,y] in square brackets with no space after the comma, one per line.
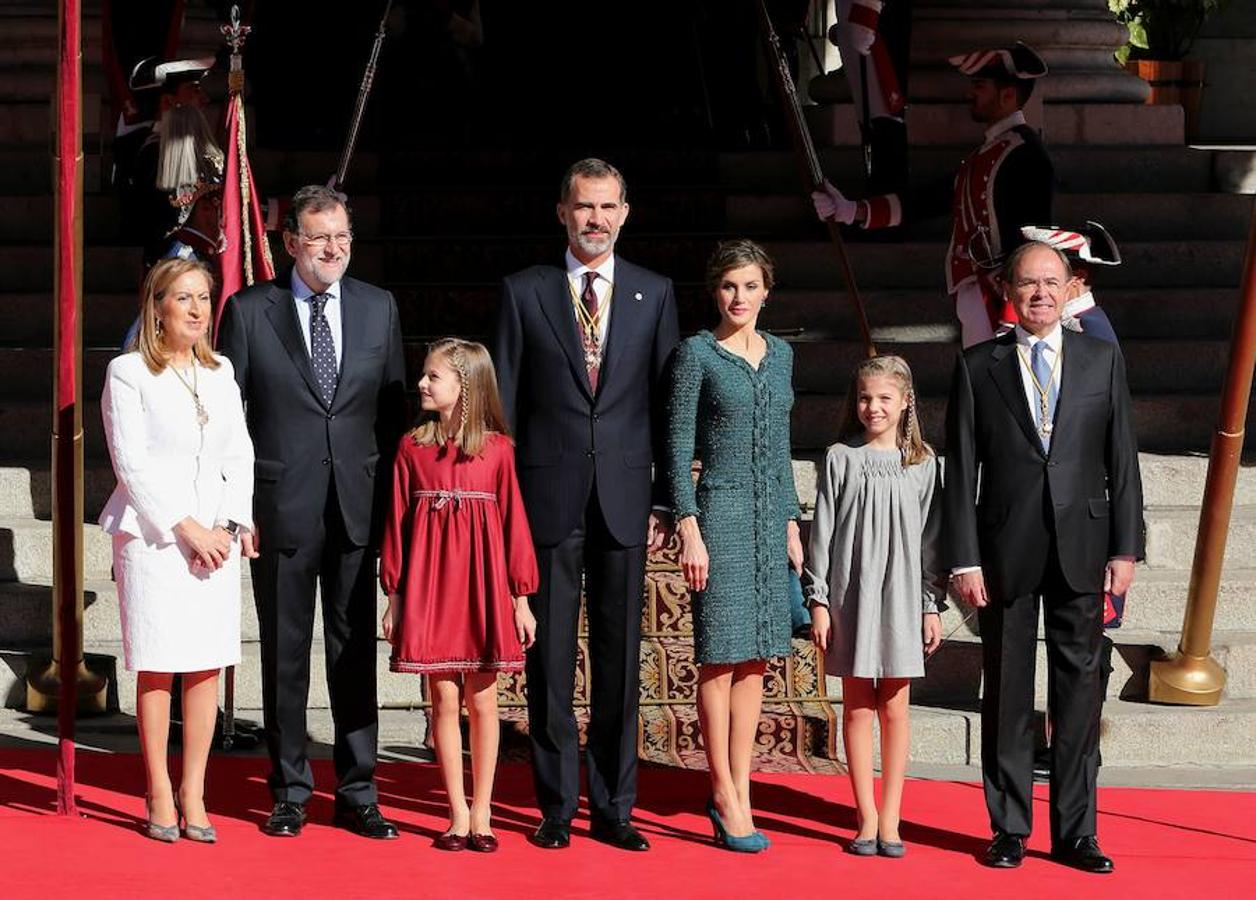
[592,168]
[1024,88]
[1014,258]
[314,198]
[735,254]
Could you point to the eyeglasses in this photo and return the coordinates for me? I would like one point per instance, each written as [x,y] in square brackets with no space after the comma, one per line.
[1029,284]
[320,241]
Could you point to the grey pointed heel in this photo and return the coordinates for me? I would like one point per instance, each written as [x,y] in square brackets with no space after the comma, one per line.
[200,834]
[166,834]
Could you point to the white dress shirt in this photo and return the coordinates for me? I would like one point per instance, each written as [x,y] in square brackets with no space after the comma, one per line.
[1024,348]
[301,293]
[601,286]
[1054,340]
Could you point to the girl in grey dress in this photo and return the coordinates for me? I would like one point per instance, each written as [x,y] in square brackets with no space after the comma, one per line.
[871,582]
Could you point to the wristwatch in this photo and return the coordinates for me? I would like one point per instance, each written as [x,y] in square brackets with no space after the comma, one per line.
[230,526]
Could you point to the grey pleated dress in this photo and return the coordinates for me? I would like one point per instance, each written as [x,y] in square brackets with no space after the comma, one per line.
[873,559]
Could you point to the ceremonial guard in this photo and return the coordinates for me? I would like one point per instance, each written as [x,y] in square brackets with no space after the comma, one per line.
[874,38]
[158,186]
[1085,247]
[1004,184]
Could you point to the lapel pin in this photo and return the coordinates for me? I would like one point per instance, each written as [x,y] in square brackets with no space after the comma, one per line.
[636,296]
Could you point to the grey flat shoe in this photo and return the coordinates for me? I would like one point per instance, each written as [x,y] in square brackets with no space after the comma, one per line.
[866,847]
[892,849]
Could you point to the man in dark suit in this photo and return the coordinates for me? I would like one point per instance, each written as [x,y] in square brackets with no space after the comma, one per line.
[580,350]
[1040,418]
[319,360]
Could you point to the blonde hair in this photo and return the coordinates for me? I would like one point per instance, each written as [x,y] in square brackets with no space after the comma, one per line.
[149,340]
[910,441]
[479,405]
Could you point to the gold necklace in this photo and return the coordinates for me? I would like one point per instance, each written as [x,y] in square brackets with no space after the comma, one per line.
[1044,404]
[591,324]
[202,415]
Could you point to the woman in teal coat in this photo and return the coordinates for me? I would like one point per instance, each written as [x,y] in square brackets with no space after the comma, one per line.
[730,404]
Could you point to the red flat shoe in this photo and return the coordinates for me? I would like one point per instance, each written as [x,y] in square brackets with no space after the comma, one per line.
[482,843]
[451,842]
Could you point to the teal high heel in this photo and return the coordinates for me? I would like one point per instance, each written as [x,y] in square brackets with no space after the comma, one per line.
[748,843]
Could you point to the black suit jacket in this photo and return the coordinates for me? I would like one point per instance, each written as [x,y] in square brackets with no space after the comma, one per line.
[1087,491]
[565,434]
[299,443]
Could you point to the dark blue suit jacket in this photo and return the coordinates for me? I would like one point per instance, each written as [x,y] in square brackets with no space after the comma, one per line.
[568,438]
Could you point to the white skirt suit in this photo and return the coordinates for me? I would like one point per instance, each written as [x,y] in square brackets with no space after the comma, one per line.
[169,467]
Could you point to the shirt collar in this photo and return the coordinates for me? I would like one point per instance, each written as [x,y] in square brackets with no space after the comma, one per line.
[1005,124]
[1054,338]
[302,291]
[576,269]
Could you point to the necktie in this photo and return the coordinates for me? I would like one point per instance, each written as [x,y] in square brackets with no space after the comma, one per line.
[592,339]
[322,350]
[1045,412]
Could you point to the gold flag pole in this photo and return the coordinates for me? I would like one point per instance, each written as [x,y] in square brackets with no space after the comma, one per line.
[1191,676]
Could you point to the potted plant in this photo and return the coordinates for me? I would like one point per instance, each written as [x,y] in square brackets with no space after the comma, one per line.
[1162,32]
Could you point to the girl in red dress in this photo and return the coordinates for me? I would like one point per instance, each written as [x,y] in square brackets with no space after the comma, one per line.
[457,565]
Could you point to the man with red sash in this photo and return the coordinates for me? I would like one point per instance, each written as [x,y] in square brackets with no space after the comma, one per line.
[1003,185]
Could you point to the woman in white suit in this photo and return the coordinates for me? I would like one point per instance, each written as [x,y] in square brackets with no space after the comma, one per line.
[181,517]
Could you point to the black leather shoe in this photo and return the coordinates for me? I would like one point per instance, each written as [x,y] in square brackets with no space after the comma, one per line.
[1006,851]
[552,834]
[365,820]
[618,834]
[285,820]
[1082,853]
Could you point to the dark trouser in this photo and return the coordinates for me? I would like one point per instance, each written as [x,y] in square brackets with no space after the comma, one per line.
[1074,627]
[614,576]
[283,587]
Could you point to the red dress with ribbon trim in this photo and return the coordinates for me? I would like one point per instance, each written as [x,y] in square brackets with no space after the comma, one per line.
[457,549]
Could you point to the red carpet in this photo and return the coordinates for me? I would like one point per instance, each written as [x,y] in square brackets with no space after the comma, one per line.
[1164,842]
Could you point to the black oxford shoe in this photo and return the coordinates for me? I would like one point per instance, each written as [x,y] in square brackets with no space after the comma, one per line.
[365,820]
[285,820]
[1006,851]
[552,834]
[1082,853]
[618,834]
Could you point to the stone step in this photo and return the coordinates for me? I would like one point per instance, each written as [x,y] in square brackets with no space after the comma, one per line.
[953,675]
[27,219]
[907,315]
[1157,366]
[26,319]
[32,83]
[1120,124]
[31,121]
[1079,169]
[1148,216]
[1165,423]
[394,690]
[1163,264]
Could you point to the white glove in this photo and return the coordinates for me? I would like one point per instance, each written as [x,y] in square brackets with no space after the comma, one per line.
[830,203]
[860,26]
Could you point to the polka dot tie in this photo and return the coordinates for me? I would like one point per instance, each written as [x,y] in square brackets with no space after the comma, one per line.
[322,350]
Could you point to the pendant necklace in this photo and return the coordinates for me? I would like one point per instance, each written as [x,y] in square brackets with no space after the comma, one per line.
[590,325]
[1044,404]
[202,415]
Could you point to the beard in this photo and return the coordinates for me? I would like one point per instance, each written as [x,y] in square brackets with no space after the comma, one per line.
[594,243]
[325,271]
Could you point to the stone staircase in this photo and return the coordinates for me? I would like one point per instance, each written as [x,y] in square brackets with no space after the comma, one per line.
[441,228]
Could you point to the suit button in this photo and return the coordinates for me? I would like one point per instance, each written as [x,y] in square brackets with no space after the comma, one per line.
[330,416]
[326,462]
[597,417]
[590,453]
